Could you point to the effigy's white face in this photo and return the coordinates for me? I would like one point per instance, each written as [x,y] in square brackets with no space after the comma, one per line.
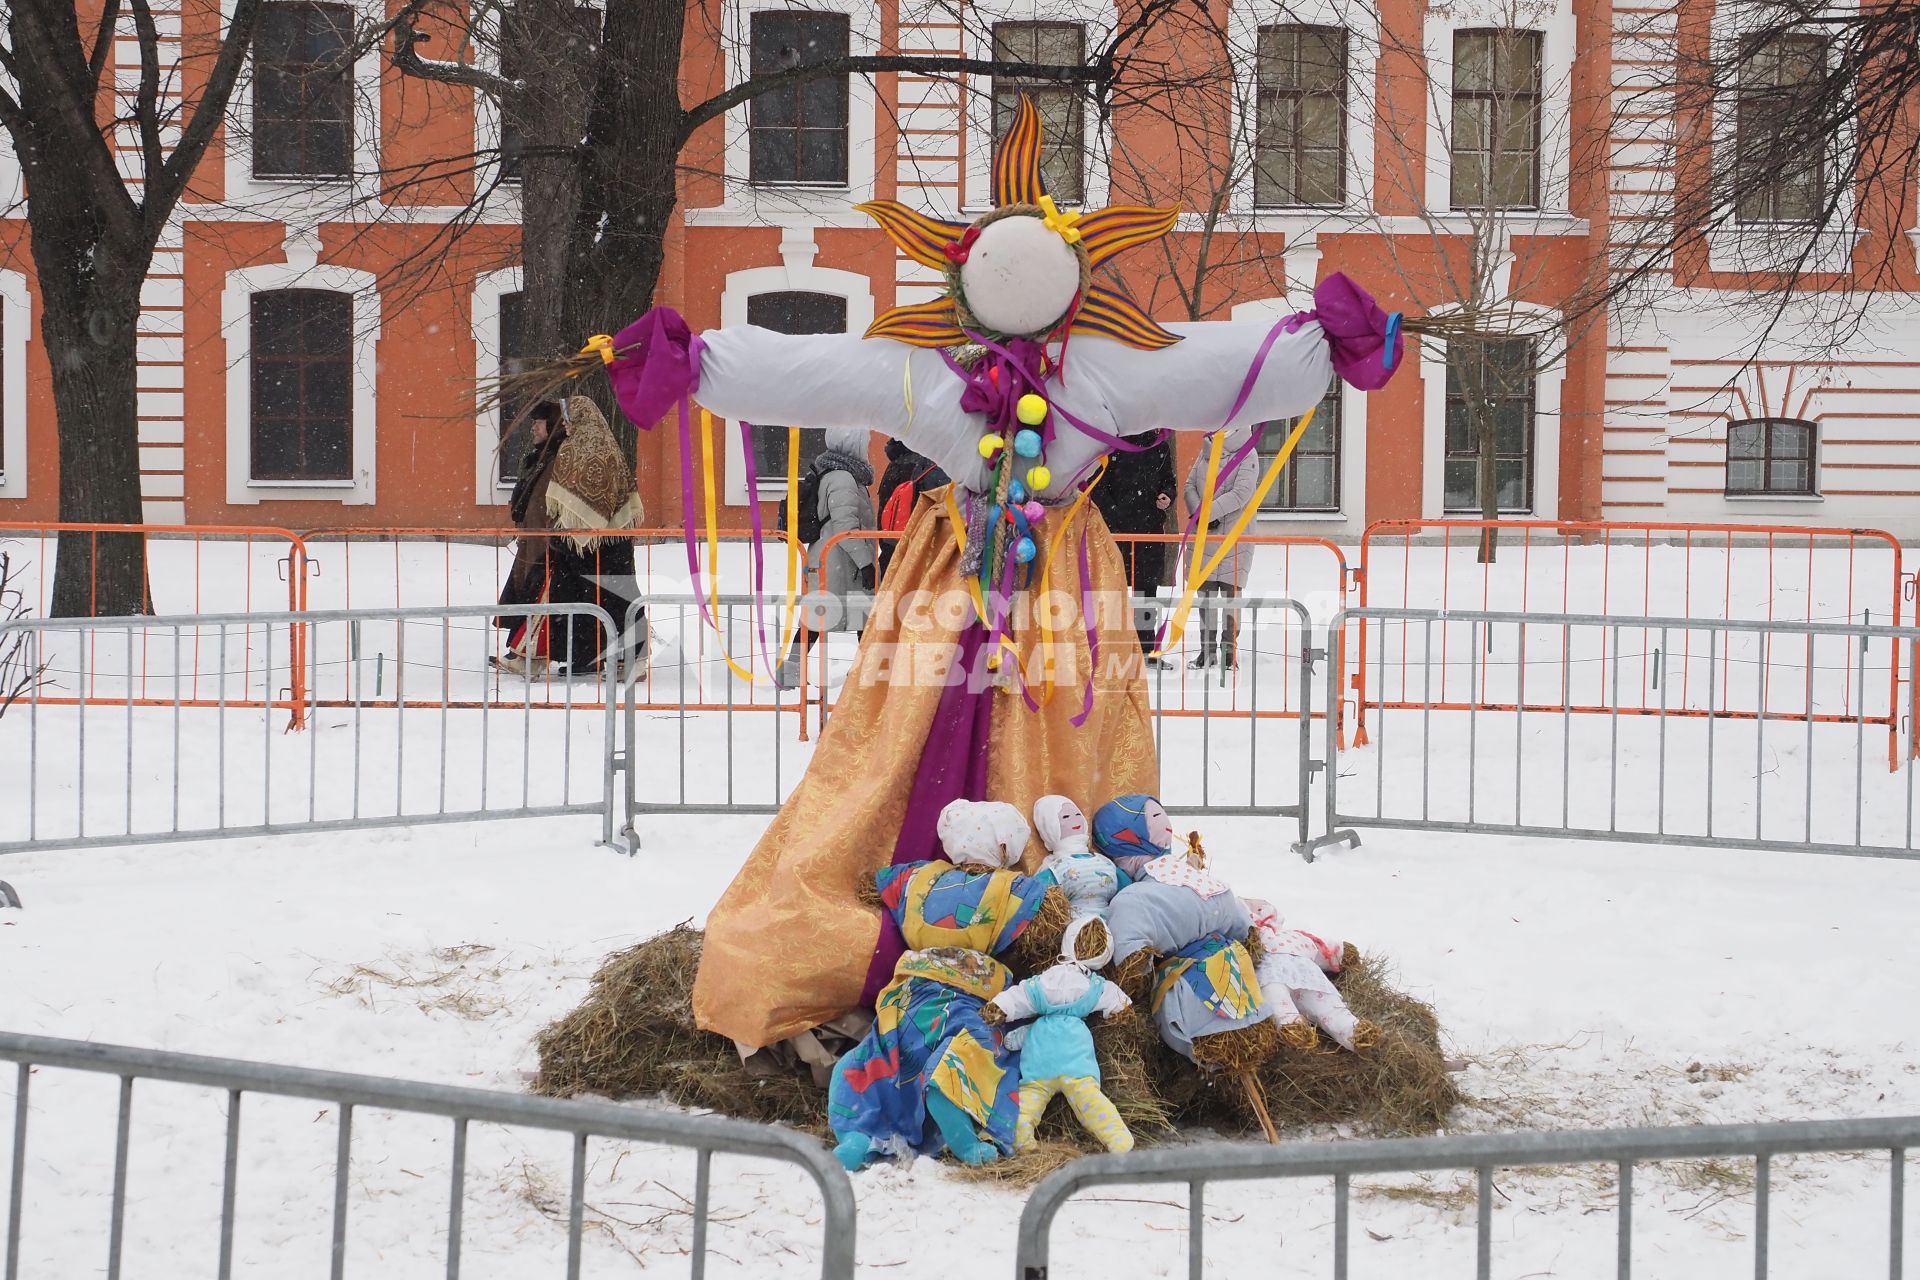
[1072,821]
[1020,276]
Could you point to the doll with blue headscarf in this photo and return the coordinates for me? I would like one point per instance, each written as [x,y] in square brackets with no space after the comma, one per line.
[1183,942]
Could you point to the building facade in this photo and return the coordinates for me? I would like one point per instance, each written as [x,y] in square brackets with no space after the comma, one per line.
[314,332]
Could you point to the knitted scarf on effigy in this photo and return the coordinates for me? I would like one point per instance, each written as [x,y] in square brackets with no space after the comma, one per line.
[592,483]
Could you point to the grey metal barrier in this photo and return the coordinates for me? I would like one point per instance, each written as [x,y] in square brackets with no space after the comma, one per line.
[1752,734]
[1484,1153]
[705,1135]
[407,718]
[699,738]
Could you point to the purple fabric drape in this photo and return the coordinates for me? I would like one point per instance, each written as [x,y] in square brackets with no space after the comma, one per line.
[953,766]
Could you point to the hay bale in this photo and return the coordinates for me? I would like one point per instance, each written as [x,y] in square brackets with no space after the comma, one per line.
[1400,1087]
[633,1036]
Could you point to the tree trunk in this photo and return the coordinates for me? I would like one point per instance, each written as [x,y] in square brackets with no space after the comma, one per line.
[90,309]
[630,179]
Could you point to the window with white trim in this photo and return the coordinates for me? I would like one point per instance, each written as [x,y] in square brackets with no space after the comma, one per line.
[1063,130]
[1771,457]
[1300,140]
[1490,386]
[16,331]
[1496,119]
[797,134]
[302,386]
[303,91]
[1780,175]
[1310,482]
[792,312]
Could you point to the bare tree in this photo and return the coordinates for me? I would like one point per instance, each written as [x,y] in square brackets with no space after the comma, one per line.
[20,675]
[93,234]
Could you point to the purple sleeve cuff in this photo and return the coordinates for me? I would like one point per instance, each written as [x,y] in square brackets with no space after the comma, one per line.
[658,365]
[1359,333]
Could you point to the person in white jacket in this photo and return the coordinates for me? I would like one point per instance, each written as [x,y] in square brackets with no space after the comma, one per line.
[1233,490]
[1293,977]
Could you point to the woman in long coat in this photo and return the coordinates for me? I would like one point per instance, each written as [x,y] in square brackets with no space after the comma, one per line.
[575,483]
[1220,628]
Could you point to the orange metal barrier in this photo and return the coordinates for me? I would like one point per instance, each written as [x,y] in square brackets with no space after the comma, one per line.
[190,569]
[1628,568]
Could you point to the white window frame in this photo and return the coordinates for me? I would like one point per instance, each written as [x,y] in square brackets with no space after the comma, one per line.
[488,288]
[797,274]
[780,203]
[1353,433]
[16,319]
[309,199]
[1362,24]
[1553,19]
[1765,246]
[301,271]
[1099,19]
[1547,386]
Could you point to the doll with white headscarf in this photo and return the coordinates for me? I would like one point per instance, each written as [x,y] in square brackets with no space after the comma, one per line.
[1088,879]
[842,495]
[1050,1014]
[932,1074]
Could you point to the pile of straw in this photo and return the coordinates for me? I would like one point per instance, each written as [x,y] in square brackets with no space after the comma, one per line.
[634,1036]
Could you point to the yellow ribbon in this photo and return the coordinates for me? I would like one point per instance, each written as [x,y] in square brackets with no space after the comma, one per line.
[1216,447]
[713,539]
[793,543]
[600,344]
[1178,626]
[1061,224]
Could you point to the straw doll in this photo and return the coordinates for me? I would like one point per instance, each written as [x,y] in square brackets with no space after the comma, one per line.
[1056,1048]
[1088,879]
[1293,973]
[931,1075]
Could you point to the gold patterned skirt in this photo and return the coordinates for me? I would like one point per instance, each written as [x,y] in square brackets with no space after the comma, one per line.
[788,946]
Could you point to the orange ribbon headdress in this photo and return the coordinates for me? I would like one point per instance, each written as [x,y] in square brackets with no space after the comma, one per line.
[1019,189]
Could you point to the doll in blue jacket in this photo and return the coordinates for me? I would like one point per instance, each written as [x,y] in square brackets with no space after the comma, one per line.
[1056,1048]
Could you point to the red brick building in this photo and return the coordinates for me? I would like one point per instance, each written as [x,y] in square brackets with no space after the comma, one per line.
[292,375]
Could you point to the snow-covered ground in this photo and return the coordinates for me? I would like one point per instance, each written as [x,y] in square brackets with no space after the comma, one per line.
[1587,985]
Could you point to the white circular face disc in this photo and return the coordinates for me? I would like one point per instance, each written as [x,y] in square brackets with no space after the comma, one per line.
[1020,276]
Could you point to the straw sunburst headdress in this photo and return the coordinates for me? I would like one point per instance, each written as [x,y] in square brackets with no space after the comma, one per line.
[1025,268]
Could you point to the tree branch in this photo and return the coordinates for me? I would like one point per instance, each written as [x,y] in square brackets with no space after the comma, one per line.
[407,60]
[102,44]
[64,121]
[208,114]
[867,64]
[147,106]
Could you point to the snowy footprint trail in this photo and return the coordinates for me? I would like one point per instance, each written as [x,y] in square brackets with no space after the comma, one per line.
[1585,986]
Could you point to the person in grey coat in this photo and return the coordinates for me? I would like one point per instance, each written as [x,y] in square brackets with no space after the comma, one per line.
[843,502]
[1220,628]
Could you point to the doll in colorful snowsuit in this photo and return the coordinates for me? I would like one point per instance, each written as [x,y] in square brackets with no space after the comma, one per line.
[1088,879]
[931,1075]
[1293,970]
[1056,1048]
[1182,941]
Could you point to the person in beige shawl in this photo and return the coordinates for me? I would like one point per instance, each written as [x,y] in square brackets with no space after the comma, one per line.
[575,484]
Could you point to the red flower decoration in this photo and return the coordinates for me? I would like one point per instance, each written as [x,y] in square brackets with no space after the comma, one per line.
[957,250]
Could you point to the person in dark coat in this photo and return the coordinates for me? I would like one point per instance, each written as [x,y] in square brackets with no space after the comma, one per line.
[1136,495]
[575,479]
[904,466]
